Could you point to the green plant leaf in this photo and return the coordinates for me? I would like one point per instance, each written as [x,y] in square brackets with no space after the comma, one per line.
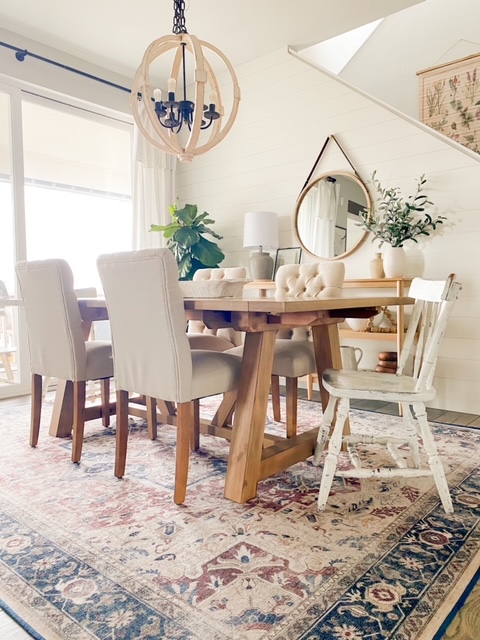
[188,214]
[184,266]
[202,229]
[208,253]
[186,237]
[399,219]
[185,240]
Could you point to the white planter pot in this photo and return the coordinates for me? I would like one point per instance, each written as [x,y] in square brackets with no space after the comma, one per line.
[394,262]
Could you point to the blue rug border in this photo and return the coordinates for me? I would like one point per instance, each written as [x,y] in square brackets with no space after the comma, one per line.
[25,626]
[457,606]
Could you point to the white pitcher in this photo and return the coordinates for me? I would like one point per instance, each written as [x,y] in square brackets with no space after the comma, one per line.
[350,359]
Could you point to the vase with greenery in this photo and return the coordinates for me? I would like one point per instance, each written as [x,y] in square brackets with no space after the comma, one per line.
[185,238]
[399,219]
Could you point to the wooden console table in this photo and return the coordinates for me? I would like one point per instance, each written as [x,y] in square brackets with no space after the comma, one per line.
[400,285]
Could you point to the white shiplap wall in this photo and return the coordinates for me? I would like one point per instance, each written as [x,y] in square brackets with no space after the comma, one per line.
[287,111]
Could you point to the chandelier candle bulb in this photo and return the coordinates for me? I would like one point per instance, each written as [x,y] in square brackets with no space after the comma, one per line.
[157,95]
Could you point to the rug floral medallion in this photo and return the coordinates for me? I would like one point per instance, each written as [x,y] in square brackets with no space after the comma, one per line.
[86,556]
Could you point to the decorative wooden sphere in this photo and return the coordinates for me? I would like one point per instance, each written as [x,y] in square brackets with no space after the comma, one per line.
[185,144]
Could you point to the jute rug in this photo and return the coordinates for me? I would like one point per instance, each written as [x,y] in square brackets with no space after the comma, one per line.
[86,556]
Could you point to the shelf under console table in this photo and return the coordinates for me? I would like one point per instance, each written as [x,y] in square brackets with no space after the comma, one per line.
[400,285]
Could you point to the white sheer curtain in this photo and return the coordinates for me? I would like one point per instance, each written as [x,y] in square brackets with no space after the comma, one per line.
[318,217]
[326,216]
[153,191]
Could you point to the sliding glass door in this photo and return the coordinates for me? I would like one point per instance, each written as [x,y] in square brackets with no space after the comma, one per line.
[13,367]
[65,192]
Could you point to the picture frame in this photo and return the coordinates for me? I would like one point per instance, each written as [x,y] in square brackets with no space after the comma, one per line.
[354,209]
[449,98]
[287,255]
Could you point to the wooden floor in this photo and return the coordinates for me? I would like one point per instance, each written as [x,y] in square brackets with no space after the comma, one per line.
[465,625]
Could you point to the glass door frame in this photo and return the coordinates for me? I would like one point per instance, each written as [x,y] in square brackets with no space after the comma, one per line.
[19,92]
[22,386]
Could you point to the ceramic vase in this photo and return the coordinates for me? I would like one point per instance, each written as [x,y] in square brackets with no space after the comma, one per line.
[376,266]
[394,262]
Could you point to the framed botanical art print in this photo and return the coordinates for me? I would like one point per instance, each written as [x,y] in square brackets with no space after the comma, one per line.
[450,100]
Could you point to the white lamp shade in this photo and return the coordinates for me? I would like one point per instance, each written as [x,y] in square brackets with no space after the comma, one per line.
[260,230]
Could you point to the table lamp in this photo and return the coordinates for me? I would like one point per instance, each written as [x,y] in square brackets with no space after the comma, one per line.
[260,231]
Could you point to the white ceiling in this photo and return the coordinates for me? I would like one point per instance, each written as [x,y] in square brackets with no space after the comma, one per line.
[115,33]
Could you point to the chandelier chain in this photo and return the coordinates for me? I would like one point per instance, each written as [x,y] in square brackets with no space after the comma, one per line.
[179,25]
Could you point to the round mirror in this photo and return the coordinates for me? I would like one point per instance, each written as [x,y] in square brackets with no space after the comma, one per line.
[327,214]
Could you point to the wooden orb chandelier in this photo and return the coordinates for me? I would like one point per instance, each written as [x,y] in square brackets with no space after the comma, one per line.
[176,125]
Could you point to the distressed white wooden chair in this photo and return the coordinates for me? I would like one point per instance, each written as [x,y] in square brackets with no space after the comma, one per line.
[151,351]
[433,306]
[57,345]
[294,355]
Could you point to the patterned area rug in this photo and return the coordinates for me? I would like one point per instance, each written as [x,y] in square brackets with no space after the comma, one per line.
[84,555]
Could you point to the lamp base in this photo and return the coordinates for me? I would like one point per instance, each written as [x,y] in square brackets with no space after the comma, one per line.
[261,266]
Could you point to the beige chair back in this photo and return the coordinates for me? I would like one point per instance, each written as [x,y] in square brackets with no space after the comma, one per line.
[57,345]
[310,280]
[226,273]
[151,351]
[231,338]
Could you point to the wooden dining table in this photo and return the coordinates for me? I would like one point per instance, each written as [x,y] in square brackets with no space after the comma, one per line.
[254,455]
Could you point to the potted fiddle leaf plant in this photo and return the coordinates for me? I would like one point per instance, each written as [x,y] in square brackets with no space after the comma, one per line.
[397,220]
[185,238]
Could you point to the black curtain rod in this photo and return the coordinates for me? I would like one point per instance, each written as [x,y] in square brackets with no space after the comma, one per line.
[21,54]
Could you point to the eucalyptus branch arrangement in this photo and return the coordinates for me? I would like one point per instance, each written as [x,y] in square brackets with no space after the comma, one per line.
[399,219]
[185,238]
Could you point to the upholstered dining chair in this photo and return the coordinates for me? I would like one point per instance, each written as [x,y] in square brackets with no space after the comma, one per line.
[294,355]
[83,292]
[152,355]
[434,301]
[199,335]
[57,345]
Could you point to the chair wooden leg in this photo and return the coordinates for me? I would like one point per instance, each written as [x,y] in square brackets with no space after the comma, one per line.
[434,461]
[291,402]
[151,404]
[324,431]
[310,379]
[410,428]
[46,384]
[333,450]
[36,411]
[195,435]
[122,433]
[275,388]
[105,399]
[185,426]
[79,392]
